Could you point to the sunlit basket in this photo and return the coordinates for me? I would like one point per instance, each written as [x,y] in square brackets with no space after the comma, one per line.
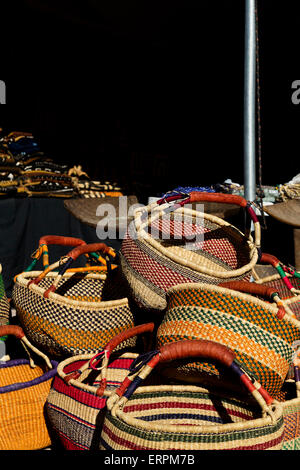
[68,313]
[24,387]
[166,245]
[260,332]
[185,417]
[77,400]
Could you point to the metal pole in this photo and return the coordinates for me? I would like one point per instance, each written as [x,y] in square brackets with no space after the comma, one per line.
[249,101]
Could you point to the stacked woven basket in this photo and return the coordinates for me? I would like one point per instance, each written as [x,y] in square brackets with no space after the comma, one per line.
[177,344]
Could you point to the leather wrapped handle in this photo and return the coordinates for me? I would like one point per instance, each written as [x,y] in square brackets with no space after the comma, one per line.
[269,259]
[72,256]
[12,330]
[82,249]
[196,196]
[60,240]
[137,330]
[196,348]
[249,288]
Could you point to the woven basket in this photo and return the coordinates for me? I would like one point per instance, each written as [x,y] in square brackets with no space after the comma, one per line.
[284,279]
[23,392]
[4,304]
[183,417]
[77,400]
[291,412]
[69,313]
[169,245]
[261,333]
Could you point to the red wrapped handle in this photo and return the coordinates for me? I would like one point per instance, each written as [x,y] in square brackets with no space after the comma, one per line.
[196,348]
[249,288]
[137,330]
[60,240]
[12,330]
[80,250]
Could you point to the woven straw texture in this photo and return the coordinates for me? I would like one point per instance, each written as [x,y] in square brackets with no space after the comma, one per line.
[187,247]
[275,281]
[291,415]
[81,317]
[190,418]
[4,304]
[75,411]
[23,394]
[249,326]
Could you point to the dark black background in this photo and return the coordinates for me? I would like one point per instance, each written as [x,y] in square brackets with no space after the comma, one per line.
[151,93]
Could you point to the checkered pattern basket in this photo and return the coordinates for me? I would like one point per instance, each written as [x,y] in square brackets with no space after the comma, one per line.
[285,279]
[24,387]
[167,245]
[69,313]
[184,417]
[77,400]
[261,333]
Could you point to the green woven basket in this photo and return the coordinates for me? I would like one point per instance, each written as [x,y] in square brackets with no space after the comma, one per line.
[261,333]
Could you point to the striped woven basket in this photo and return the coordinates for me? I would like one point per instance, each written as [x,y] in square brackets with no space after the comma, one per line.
[24,387]
[291,412]
[69,313]
[184,417]
[261,333]
[167,245]
[77,400]
[285,279]
[4,305]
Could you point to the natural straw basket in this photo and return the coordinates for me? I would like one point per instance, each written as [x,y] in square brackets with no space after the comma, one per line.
[261,333]
[291,412]
[67,313]
[154,263]
[4,304]
[24,388]
[285,279]
[77,400]
[183,417]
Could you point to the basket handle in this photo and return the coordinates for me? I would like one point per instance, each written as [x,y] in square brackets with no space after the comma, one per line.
[17,331]
[104,356]
[198,196]
[42,249]
[257,289]
[67,261]
[187,349]
[283,271]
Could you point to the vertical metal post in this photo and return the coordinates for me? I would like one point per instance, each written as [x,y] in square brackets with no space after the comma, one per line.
[249,101]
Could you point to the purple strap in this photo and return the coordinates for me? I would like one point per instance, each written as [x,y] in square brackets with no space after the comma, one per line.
[21,385]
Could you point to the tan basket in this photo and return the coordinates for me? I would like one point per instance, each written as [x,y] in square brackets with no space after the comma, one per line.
[154,263]
[70,313]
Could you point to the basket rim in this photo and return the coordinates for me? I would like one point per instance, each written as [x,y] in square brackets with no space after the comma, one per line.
[22,280]
[277,408]
[31,383]
[77,383]
[271,307]
[147,239]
